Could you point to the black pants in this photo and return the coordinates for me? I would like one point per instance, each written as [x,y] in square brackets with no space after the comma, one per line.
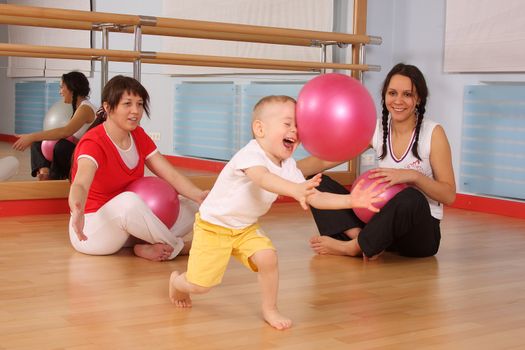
[404,224]
[60,167]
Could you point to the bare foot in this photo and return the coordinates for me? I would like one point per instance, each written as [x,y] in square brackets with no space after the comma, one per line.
[276,320]
[43,174]
[353,232]
[180,299]
[153,252]
[325,245]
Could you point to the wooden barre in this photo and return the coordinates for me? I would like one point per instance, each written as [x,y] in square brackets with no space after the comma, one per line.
[171,58]
[24,15]
[173,32]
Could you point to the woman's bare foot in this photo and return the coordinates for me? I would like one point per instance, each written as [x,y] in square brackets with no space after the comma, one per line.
[276,320]
[180,299]
[353,232]
[43,174]
[153,252]
[325,245]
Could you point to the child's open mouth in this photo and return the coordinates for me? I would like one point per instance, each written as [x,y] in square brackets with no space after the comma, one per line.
[289,143]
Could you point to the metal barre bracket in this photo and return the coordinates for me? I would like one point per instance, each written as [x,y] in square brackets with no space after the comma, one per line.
[113,26]
[148,21]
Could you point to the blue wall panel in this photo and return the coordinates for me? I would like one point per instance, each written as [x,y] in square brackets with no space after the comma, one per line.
[493,141]
[213,119]
[32,100]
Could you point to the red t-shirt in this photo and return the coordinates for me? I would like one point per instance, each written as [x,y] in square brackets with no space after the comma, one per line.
[112,175]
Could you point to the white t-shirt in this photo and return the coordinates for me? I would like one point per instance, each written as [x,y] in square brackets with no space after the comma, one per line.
[235,201]
[408,160]
[80,132]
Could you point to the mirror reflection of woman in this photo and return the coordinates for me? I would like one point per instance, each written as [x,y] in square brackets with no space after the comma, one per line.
[74,89]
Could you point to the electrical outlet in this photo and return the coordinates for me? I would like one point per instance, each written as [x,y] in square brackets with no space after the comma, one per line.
[155,136]
[368,159]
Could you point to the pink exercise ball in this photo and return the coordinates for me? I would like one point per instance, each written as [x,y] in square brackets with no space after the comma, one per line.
[160,197]
[48,147]
[336,117]
[364,214]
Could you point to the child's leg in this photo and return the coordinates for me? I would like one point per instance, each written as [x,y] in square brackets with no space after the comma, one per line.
[180,289]
[268,275]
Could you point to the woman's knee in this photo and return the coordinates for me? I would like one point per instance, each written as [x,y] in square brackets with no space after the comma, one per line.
[129,201]
[63,148]
[409,200]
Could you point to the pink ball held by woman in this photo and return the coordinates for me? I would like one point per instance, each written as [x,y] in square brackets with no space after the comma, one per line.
[366,215]
[160,197]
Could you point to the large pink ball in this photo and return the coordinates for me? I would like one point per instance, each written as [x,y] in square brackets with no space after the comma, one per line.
[336,117]
[364,214]
[160,196]
[47,148]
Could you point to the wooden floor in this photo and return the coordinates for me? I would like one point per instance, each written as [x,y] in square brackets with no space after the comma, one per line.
[470,296]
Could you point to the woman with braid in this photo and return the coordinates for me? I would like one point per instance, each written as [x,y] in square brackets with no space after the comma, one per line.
[412,150]
[74,88]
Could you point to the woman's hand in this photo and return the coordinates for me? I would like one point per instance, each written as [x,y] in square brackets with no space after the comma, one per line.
[393,176]
[77,221]
[24,141]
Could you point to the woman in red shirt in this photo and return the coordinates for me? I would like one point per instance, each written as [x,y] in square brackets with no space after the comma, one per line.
[107,159]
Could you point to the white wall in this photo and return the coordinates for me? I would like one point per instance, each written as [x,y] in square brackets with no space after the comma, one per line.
[413,32]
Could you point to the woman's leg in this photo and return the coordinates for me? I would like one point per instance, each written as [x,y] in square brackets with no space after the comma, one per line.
[38,161]
[405,224]
[126,214]
[337,224]
[61,164]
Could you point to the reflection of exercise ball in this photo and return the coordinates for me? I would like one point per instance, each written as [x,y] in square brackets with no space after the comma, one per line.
[58,115]
[160,196]
[8,167]
[364,214]
[48,147]
[336,117]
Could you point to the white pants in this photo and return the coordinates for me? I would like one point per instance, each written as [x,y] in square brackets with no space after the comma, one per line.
[127,215]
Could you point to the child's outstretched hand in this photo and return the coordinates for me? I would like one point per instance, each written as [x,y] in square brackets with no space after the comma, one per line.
[365,198]
[305,189]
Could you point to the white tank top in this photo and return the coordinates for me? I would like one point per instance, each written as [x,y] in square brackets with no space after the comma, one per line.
[408,160]
[80,132]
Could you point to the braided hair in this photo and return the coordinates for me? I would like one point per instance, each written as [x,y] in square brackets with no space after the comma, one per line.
[78,84]
[420,86]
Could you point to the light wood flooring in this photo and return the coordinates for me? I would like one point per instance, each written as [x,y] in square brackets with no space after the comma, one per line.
[470,296]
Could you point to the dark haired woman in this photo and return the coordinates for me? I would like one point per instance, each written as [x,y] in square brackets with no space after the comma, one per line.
[110,156]
[74,88]
[412,150]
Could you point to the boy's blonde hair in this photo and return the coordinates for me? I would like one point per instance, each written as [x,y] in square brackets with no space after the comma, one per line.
[259,106]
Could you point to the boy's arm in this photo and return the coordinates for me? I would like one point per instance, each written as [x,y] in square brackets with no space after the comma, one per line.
[276,184]
[359,198]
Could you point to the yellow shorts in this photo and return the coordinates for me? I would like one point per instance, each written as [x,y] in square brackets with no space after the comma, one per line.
[213,245]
